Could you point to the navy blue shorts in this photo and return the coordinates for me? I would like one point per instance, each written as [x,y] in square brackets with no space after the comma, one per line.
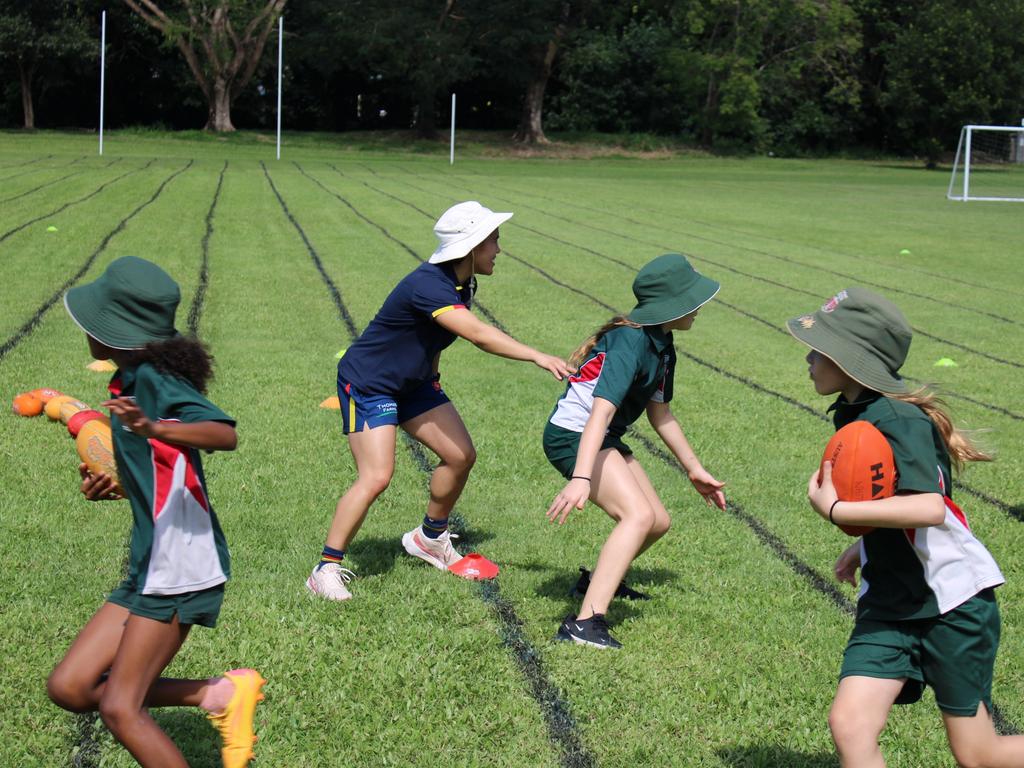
[359,410]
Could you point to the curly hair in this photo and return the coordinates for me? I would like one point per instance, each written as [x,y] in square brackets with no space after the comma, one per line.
[183,356]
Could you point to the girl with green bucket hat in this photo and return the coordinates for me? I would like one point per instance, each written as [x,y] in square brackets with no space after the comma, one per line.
[178,559]
[926,612]
[625,369]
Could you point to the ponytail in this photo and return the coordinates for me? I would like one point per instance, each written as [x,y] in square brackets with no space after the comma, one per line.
[577,357]
[183,356]
[958,443]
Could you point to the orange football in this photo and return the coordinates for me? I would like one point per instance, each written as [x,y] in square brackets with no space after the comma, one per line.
[862,467]
[53,405]
[27,404]
[46,394]
[95,445]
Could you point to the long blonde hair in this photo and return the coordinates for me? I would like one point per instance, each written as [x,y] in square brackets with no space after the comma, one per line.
[958,443]
[577,357]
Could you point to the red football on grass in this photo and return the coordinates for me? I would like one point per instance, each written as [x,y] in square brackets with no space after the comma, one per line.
[81,417]
[862,467]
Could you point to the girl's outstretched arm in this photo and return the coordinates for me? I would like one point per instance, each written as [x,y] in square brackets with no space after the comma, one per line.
[907,510]
[847,564]
[577,490]
[204,435]
[668,429]
[464,323]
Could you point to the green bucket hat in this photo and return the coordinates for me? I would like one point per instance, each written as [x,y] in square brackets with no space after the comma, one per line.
[863,333]
[130,305]
[669,288]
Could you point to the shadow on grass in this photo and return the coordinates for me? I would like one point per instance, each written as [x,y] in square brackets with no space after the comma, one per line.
[562,584]
[193,734]
[560,588]
[376,555]
[775,757]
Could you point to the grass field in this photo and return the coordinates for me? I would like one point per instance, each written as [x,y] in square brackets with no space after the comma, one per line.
[282,263]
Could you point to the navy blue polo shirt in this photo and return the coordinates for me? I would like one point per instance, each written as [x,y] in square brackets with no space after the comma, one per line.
[396,352]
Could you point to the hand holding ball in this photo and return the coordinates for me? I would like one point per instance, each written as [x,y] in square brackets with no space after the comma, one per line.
[95,445]
[862,467]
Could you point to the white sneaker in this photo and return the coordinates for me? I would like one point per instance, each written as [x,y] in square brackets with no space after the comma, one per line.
[330,581]
[438,552]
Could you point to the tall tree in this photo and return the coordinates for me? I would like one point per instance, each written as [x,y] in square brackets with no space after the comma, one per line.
[931,67]
[222,42]
[530,35]
[38,36]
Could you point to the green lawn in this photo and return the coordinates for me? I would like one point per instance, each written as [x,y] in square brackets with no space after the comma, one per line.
[734,661]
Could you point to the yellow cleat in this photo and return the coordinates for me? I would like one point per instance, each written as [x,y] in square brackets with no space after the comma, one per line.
[235,722]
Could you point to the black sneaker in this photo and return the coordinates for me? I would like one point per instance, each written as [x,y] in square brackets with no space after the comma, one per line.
[592,631]
[583,584]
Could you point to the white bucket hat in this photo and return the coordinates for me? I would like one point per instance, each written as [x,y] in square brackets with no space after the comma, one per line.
[463,227]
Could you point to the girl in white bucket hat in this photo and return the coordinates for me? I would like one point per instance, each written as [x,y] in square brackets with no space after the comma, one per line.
[389,378]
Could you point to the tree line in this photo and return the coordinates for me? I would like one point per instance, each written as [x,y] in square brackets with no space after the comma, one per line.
[789,76]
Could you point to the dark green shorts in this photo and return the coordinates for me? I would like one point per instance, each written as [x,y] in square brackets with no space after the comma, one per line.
[562,445]
[953,653]
[191,607]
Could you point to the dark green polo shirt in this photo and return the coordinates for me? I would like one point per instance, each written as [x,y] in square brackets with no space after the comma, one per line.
[897,587]
[177,545]
[629,367]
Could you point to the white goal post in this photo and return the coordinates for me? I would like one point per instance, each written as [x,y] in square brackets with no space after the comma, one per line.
[989,164]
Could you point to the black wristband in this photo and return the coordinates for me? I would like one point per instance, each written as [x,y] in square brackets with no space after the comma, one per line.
[830,511]
[580,477]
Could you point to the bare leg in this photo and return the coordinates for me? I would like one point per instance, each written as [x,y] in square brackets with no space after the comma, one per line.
[78,681]
[441,429]
[859,711]
[974,742]
[147,646]
[374,453]
[615,489]
[662,521]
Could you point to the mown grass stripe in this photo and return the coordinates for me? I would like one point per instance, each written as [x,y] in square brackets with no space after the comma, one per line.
[666,215]
[759,278]
[41,186]
[332,289]
[82,199]
[20,165]
[199,297]
[33,321]
[27,162]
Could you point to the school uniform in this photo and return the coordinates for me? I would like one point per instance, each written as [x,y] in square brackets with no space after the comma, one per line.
[630,367]
[926,609]
[178,557]
[387,375]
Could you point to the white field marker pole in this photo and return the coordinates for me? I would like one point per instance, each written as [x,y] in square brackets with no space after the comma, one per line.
[103,70]
[451,151]
[280,52]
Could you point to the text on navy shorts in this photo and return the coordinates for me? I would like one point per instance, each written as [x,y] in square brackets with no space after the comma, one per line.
[359,410]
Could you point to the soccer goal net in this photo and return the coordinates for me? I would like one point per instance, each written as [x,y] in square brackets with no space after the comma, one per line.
[989,164]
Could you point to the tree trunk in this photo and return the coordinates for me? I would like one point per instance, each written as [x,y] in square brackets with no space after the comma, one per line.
[219,116]
[27,107]
[426,119]
[531,129]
